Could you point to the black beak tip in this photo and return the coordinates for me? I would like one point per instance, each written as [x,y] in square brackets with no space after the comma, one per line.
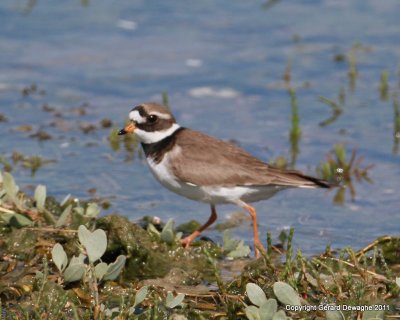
[121,132]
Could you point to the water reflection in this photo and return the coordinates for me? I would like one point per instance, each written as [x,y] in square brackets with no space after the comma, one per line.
[338,169]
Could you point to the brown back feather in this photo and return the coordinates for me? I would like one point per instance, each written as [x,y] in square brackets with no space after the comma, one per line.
[205,160]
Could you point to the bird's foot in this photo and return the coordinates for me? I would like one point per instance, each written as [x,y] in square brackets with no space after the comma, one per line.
[189,239]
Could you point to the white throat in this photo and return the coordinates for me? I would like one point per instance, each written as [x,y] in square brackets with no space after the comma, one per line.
[156,136]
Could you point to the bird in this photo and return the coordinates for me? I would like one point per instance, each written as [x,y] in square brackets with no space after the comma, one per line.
[206,169]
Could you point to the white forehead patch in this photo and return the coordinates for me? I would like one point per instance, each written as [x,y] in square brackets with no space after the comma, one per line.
[135,116]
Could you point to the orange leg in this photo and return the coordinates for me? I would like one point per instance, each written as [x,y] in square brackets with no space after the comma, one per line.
[188,240]
[257,243]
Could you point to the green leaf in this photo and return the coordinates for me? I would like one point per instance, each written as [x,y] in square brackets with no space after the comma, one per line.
[92,210]
[40,196]
[16,220]
[240,251]
[140,295]
[280,315]
[78,260]
[252,313]
[59,257]
[79,210]
[10,187]
[334,315]
[152,230]
[95,242]
[286,294]
[229,244]
[100,270]
[74,272]
[115,268]
[167,233]
[268,309]
[64,216]
[340,153]
[172,302]
[255,294]
[65,200]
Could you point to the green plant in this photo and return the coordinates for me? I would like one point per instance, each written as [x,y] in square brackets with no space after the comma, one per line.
[267,309]
[13,204]
[336,110]
[234,248]
[126,310]
[384,85]
[88,265]
[295,131]
[93,246]
[167,233]
[396,123]
[172,301]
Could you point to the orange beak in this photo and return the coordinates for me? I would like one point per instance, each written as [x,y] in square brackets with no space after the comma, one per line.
[130,128]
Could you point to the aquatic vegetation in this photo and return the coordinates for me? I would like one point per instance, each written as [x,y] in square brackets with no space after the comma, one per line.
[269,4]
[3,118]
[342,96]
[32,90]
[87,128]
[6,165]
[287,74]
[338,169]
[396,123]
[295,131]
[352,72]
[106,123]
[41,135]
[336,109]
[165,99]
[384,85]
[129,143]
[33,163]
[280,162]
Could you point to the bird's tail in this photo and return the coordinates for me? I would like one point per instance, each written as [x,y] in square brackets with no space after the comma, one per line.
[293,178]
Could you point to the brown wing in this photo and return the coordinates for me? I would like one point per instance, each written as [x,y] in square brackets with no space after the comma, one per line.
[209,161]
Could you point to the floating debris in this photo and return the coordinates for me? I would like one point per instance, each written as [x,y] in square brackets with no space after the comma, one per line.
[3,118]
[32,89]
[41,135]
[87,128]
[106,123]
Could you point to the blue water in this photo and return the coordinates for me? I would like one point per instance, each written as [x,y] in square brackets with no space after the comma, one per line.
[222,64]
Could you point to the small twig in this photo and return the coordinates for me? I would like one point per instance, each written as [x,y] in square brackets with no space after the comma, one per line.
[373,244]
[49,229]
[374,274]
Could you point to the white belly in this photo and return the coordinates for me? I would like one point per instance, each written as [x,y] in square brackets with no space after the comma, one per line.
[209,194]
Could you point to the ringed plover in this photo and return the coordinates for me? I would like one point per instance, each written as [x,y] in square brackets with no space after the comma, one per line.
[202,168]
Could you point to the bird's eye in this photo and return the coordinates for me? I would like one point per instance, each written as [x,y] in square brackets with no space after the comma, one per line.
[152,118]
